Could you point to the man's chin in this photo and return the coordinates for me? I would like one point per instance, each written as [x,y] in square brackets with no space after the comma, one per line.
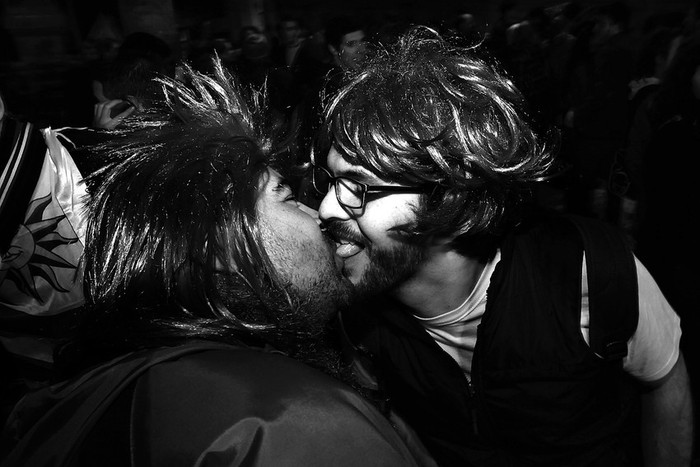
[354,267]
[382,270]
[319,302]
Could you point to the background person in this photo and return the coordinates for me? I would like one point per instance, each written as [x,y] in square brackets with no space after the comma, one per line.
[126,84]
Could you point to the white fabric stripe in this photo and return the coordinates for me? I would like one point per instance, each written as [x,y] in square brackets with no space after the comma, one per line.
[11,169]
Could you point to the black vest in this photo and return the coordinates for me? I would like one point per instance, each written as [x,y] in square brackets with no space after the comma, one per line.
[539,394]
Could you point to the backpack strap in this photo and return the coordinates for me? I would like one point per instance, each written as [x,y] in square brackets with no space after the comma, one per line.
[612,286]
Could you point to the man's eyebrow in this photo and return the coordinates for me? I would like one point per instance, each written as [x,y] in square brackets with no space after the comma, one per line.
[280,183]
[276,180]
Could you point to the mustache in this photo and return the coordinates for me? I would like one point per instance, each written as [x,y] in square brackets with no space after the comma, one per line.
[339,230]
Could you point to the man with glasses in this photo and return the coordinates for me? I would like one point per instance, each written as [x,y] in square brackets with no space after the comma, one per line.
[349,192]
[504,335]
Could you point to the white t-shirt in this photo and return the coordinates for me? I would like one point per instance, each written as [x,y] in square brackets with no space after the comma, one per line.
[651,352]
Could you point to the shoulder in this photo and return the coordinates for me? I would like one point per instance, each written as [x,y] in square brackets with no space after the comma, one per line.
[233,373]
[545,235]
[655,347]
[570,229]
[248,403]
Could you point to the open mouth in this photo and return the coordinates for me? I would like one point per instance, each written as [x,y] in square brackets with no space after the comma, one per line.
[347,245]
[346,249]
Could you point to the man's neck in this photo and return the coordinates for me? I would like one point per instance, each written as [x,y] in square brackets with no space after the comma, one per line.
[442,283]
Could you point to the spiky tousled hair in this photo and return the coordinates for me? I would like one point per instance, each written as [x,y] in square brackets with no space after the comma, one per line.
[425,112]
[176,197]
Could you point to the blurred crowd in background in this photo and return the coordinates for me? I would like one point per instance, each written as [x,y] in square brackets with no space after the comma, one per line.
[620,85]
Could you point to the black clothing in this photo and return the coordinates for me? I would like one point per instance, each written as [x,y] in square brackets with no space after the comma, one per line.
[202,403]
[539,395]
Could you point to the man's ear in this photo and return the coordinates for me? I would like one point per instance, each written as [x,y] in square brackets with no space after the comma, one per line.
[2,108]
[332,50]
[219,265]
[223,266]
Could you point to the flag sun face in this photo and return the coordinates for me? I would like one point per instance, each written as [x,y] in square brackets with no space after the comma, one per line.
[30,255]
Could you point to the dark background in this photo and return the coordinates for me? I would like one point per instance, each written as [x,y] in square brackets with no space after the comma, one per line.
[48,46]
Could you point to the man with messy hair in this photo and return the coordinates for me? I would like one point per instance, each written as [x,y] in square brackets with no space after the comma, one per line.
[204,276]
[503,335]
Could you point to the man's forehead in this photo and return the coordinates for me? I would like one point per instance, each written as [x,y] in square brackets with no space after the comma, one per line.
[340,166]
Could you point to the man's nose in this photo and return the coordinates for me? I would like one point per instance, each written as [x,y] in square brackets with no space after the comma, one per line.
[330,208]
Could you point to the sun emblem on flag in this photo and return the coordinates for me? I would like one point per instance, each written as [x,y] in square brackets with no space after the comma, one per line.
[31,253]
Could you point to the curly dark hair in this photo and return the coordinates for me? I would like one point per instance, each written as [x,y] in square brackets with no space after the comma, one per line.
[426,112]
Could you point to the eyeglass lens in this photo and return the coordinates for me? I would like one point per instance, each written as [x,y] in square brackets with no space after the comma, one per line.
[348,192]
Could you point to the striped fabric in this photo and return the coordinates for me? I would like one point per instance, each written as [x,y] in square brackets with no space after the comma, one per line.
[41,228]
[22,150]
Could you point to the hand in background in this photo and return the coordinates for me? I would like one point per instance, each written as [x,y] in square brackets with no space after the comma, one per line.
[110,113]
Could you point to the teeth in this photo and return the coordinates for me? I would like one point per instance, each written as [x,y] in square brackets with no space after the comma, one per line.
[346,250]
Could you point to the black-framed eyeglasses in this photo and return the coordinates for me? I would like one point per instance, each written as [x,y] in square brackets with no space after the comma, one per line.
[351,193]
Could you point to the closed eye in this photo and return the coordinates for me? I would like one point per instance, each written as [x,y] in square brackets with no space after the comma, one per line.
[284,191]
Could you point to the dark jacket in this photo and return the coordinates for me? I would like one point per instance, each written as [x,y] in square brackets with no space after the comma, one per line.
[201,404]
[539,394]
